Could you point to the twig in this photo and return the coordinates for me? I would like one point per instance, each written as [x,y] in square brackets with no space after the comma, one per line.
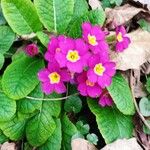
[50,99]
[136,106]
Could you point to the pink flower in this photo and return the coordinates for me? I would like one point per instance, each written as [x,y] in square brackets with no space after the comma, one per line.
[122,40]
[53,79]
[53,47]
[87,88]
[95,38]
[31,50]
[105,99]
[73,55]
[100,70]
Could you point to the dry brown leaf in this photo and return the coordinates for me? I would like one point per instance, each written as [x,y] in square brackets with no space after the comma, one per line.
[137,54]
[123,144]
[120,15]
[95,4]
[144,2]
[8,146]
[81,144]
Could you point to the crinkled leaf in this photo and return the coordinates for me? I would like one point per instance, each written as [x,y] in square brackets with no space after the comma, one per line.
[2,59]
[144,25]
[111,122]
[14,129]
[121,94]
[68,130]
[40,127]
[28,105]
[54,141]
[148,85]
[20,77]
[73,104]
[43,38]
[7,37]
[92,138]
[55,14]
[116,2]
[144,106]
[21,16]
[2,19]
[82,128]
[146,130]
[94,16]
[3,138]
[7,107]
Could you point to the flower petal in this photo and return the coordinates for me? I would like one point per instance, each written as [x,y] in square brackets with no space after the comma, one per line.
[92,76]
[104,81]
[43,75]
[94,91]
[61,59]
[47,88]
[60,88]
[82,89]
[110,68]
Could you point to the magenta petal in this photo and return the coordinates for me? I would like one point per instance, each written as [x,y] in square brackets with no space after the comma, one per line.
[53,67]
[81,46]
[119,47]
[92,76]
[96,31]
[110,68]
[109,101]
[93,60]
[61,59]
[43,75]
[47,88]
[60,88]
[75,67]
[49,56]
[104,81]
[66,45]
[65,75]
[102,102]
[82,77]
[82,89]
[94,91]
[86,27]
[121,29]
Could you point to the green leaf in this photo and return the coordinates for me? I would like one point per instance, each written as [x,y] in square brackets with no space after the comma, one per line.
[144,106]
[82,128]
[14,129]
[146,130]
[68,130]
[7,38]
[144,25]
[55,14]
[77,135]
[21,16]
[3,138]
[112,123]
[92,138]
[43,38]
[28,105]
[53,107]
[73,104]
[2,19]
[121,94]
[95,17]
[54,141]
[116,2]
[20,77]
[40,127]
[7,107]
[148,85]
[2,59]
[80,8]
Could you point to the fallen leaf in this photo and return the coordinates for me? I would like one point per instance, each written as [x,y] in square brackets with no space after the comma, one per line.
[144,2]
[8,146]
[120,15]
[130,144]
[95,4]
[137,54]
[81,144]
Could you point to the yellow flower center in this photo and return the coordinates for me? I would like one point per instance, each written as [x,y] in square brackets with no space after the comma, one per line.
[54,77]
[73,56]
[58,50]
[89,83]
[92,40]
[99,69]
[119,37]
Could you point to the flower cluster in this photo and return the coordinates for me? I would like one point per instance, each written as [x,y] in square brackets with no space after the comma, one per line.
[84,62]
